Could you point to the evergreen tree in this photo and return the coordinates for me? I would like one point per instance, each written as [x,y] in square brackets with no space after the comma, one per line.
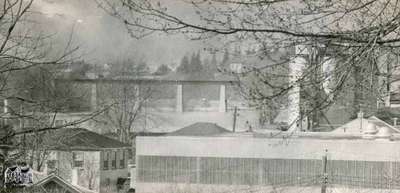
[225,58]
[193,64]
[206,65]
[214,61]
[197,66]
[162,70]
[183,67]
[192,67]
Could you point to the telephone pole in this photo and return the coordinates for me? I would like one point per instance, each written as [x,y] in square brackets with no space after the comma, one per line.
[234,119]
[324,182]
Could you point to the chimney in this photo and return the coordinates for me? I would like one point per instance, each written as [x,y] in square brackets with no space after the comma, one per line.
[395,121]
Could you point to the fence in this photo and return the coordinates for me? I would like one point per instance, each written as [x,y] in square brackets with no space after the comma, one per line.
[267,172]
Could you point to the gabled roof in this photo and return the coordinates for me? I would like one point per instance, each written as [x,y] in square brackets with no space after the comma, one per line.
[62,183]
[200,129]
[83,139]
[353,126]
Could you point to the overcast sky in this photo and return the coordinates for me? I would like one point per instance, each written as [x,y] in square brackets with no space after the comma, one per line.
[104,38]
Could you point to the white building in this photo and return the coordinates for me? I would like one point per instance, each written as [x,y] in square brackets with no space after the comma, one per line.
[267,162]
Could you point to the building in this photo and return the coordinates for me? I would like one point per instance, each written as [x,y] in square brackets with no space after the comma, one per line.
[358,125]
[54,183]
[267,161]
[87,159]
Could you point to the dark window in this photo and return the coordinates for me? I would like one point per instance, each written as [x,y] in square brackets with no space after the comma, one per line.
[51,164]
[105,161]
[78,159]
[122,160]
[114,160]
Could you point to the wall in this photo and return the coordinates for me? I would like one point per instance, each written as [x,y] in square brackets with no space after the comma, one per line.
[251,147]
[166,162]
[89,174]
[201,188]
[86,176]
[109,177]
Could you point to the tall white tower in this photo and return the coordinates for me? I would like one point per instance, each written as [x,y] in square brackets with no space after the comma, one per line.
[296,66]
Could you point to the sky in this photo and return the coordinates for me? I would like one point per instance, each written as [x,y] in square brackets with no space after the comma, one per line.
[104,39]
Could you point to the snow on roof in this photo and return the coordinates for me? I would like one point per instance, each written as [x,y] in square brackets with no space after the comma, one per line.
[355,126]
[200,129]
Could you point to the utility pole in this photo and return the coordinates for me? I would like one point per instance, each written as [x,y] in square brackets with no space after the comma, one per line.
[324,182]
[234,119]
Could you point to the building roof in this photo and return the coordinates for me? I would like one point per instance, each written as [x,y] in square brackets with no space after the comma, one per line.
[83,139]
[62,183]
[354,126]
[134,134]
[200,129]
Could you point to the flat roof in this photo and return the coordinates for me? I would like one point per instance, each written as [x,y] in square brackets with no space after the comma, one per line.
[150,80]
[277,147]
[275,134]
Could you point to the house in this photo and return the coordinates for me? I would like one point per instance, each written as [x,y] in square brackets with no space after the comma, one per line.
[54,183]
[87,159]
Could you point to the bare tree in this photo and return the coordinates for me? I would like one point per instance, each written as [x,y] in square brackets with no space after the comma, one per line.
[126,104]
[126,100]
[357,35]
[29,63]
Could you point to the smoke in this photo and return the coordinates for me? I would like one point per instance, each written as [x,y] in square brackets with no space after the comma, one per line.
[104,39]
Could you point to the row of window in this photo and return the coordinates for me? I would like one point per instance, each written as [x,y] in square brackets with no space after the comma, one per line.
[252,171]
[112,158]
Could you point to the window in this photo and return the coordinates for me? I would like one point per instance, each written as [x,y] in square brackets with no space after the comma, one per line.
[51,164]
[114,160]
[105,161]
[122,160]
[78,159]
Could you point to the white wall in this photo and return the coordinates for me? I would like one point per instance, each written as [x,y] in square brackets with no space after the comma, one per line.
[261,147]
[250,147]
[112,174]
